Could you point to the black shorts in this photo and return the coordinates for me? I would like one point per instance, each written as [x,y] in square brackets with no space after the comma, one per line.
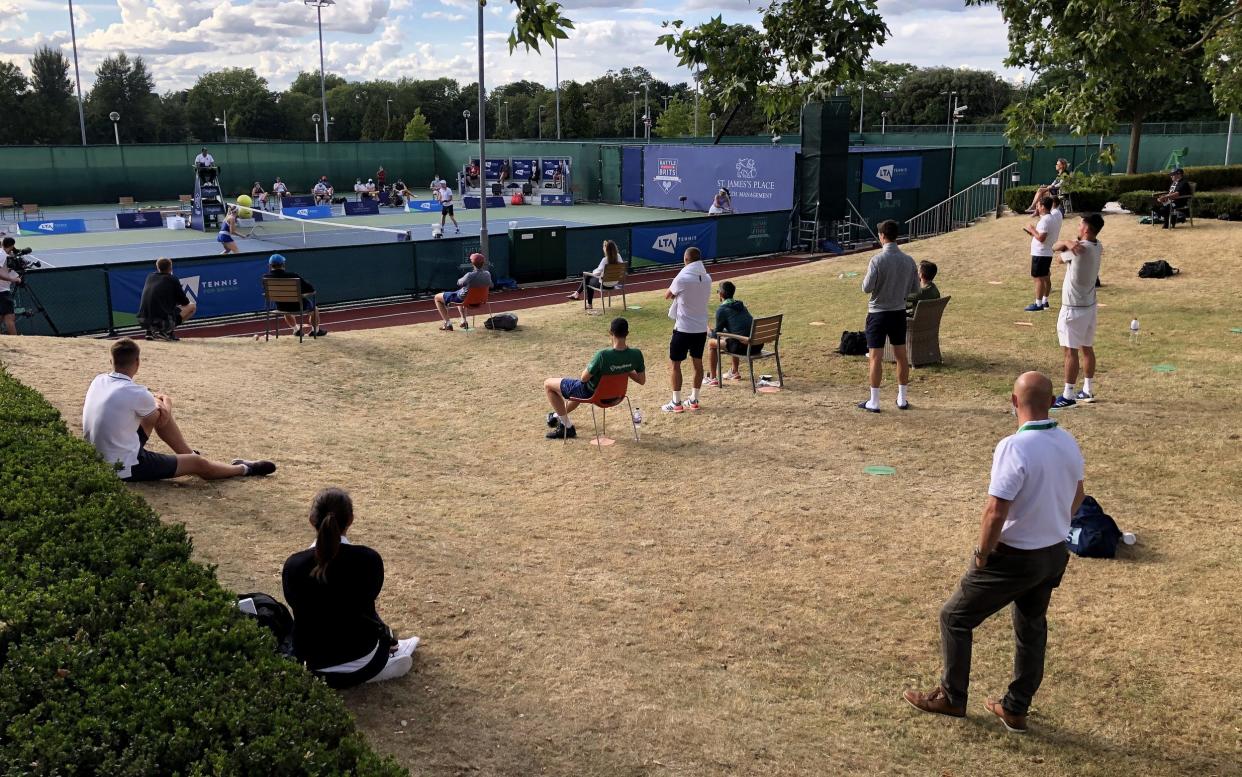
[151,465]
[684,343]
[890,324]
[1041,266]
[6,303]
[446,210]
[738,348]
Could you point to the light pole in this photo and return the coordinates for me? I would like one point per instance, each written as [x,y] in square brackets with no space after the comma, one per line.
[483,247]
[466,115]
[949,119]
[73,36]
[505,120]
[556,55]
[315,118]
[1229,139]
[697,77]
[958,111]
[539,120]
[862,105]
[634,112]
[225,123]
[387,112]
[590,124]
[116,133]
[712,116]
[647,110]
[883,121]
[319,5]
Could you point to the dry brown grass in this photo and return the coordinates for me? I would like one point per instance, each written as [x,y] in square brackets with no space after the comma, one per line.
[645,612]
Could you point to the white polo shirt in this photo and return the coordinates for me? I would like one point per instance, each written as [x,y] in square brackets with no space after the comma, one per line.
[446,195]
[1049,224]
[1037,470]
[693,287]
[111,416]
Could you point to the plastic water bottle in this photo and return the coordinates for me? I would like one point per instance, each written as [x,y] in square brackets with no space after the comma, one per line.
[1134,330]
[1128,538]
[638,415]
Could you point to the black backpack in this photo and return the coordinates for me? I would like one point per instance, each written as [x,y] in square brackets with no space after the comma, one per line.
[1157,269]
[853,344]
[504,322]
[273,616]
[1093,533]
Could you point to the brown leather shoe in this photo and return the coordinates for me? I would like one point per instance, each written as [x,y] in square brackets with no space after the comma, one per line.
[935,701]
[1015,723]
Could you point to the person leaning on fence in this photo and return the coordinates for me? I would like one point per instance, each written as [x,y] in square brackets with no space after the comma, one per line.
[1036,487]
[8,280]
[591,284]
[164,305]
[331,588]
[733,318]
[927,287]
[1054,188]
[119,416]
[891,277]
[565,394]
[474,278]
[276,269]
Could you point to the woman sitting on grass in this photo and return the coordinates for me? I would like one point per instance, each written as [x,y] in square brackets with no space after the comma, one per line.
[331,588]
[591,284]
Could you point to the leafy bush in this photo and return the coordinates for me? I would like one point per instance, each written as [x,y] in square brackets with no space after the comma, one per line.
[1018,198]
[1089,200]
[120,655]
[1139,201]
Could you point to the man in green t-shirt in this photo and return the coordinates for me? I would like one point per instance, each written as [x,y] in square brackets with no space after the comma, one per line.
[927,287]
[731,317]
[564,394]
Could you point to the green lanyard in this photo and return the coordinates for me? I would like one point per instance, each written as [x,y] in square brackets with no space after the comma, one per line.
[1038,426]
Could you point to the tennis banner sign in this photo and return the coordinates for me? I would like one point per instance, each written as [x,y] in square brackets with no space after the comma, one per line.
[366,207]
[890,174]
[668,244]
[759,178]
[428,206]
[56,227]
[297,200]
[309,212]
[139,220]
[219,288]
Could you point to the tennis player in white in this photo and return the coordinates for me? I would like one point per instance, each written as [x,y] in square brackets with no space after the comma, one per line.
[1076,323]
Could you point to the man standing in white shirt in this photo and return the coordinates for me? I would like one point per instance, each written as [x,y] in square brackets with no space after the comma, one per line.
[445,196]
[1076,323]
[1043,234]
[119,415]
[1036,488]
[690,292]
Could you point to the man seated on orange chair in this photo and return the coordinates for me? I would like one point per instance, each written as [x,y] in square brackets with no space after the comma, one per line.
[476,277]
[564,394]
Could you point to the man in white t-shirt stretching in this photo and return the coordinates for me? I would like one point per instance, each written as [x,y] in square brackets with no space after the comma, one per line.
[1036,487]
[119,416]
[1043,234]
[1076,324]
[690,292]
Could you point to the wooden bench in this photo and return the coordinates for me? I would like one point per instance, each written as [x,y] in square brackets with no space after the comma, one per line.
[764,331]
[284,291]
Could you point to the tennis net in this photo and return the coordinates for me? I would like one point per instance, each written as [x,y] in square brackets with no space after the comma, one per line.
[293,231]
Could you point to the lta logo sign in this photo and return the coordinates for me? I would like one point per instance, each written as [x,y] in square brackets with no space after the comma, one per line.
[885,173]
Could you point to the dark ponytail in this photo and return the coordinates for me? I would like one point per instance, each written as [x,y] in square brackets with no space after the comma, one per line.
[331,514]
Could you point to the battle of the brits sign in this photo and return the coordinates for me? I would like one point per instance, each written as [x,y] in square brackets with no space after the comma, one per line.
[890,174]
[759,178]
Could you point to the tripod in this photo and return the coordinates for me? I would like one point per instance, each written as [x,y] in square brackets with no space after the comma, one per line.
[33,305]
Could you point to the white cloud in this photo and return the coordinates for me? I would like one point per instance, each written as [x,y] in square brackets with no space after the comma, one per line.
[444,16]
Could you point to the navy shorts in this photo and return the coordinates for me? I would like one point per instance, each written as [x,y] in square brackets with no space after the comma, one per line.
[6,304]
[890,325]
[151,465]
[1041,266]
[738,348]
[456,297]
[224,237]
[446,210]
[572,388]
[684,343]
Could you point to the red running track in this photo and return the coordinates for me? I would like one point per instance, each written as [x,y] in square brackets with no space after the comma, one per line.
[364,316]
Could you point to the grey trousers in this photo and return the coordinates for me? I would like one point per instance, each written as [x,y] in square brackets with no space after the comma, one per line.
[1023,578]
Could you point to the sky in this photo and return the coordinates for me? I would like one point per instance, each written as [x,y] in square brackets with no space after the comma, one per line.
[390,39]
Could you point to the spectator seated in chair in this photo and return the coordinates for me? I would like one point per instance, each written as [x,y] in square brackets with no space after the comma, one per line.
[1054,188]
[731,317]
[1170,202]
[927,287]
[476,276]
[565,394]
[257,195]
[332,587]
[276,269]
[323,191]
[164,305]
[592,284]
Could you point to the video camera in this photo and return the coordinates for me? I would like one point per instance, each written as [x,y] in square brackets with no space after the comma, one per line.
[18,263]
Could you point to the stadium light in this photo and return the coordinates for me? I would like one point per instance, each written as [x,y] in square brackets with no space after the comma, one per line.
[387,113]
[647,109]
[949,119]
[466,115]
[223,123]
[116,133]
[73,36]
[319,5]
[482,107]
[634,111]
[1229,139]
[315,118]
[556,55]
[539,115]
[712,116]
[883,121]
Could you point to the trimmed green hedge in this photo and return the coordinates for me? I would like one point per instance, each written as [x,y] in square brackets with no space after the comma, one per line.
[1205,178]
[1208,205]
[1084,200]
[119,655]
[1018,198]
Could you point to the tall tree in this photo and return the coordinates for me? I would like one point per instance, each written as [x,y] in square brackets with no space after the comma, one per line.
[418,127]
[373,126]
[1131,58]
[126,86]
[924,96]
[51,99]
[13,96]
[678,120]
[237,94]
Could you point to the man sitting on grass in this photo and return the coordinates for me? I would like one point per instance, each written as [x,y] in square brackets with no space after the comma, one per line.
[119,416]
[164,305]
[731,317]
[564,394]
[474,278]
[276,269]
[927,286]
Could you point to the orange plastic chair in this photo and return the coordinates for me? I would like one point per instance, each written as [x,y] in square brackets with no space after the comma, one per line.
[476,298]
[610,392]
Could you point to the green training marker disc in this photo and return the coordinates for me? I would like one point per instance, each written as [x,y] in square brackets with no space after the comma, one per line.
[879,469]
[1237,330]
[1164,368]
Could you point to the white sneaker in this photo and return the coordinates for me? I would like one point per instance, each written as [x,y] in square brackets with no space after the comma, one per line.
[673,407]
[711,382]
[731,375]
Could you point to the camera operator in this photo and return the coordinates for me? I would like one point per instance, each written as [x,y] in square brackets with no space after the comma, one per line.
[8,279]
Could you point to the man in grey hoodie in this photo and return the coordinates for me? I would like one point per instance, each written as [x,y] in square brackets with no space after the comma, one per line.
[891,275]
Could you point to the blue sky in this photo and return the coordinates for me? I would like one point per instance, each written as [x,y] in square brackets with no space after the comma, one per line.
[181,39]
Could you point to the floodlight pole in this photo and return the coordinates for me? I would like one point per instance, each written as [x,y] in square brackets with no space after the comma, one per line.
[634,112]
[862,104]
[556,53]
[1229,138]
[647,110]
[115,117]
[483,247]
[73,36]
[319,5]
[697,76]
[387,113]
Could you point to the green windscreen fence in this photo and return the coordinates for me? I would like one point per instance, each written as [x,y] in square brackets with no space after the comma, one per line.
[610,174]
[441,262]
[750,234]
[585,247]
[75,299]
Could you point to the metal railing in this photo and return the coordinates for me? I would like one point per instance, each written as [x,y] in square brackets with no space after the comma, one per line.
[987,195]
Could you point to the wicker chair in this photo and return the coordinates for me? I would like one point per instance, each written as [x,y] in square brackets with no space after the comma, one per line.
[922,333]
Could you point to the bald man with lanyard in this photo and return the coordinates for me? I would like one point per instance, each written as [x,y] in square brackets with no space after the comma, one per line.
[1036,487]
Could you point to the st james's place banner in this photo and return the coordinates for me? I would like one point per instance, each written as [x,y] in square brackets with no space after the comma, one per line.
[759,178]
[890,174]
[668,244]
[219,288]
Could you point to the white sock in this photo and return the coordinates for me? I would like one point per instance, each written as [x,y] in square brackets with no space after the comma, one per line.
[1037,301]
[676,397]
[1086,385]
[901,394]
[564,419]
[874,402]
[694,395]
[1068,393]
[1043,300]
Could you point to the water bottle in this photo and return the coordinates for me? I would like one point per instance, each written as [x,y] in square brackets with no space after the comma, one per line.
[1134,329]
[638,415]
[1128,538]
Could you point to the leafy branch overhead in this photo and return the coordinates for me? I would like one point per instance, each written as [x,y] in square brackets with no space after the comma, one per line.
[806,48]
[537,21]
